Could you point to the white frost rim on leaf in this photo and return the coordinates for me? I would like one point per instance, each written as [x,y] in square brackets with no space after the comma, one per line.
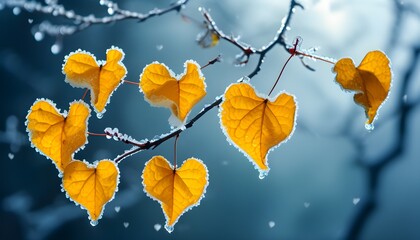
[170,228]
[92,166]
[98,63]
[173,120]
[262,173]
[64,115]
[370,126]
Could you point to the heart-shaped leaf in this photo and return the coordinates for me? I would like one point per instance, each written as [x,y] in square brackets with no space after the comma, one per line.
[102,78]
[58,136]
[371,81]
[256,124]
[91,186]
[162,88]
[176,190]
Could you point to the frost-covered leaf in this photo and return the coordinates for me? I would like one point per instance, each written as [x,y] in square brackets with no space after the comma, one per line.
[177,190]
[162,88]
[91,186]
[102,78]
[256,124]
[370,81]
[58,135]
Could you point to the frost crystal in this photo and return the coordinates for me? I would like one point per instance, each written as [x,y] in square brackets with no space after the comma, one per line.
[356,201]
[369,127]
[117,209]
[157,227]
[93,223]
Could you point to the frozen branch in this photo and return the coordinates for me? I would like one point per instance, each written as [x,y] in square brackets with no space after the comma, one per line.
[80,22]
[246,49]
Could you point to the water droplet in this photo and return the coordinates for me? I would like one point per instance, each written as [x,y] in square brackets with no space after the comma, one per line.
[126,224]
[99,115]
[93,223]
[38,36]
[169,228]
[11,156]
[263,174]
[306,204]
[369,127]
[16,11]
[271,224]
[110,11]
[30,20]
[356,201]
[56,48]
[159,47]
[117,209]
[157,227]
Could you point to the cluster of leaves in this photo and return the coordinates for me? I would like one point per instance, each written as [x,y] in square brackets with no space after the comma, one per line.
[254,123]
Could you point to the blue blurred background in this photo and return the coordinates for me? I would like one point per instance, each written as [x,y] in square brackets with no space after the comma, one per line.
[323,182]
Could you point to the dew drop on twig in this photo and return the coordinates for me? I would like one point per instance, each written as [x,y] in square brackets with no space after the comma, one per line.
[56,48]
[16,11]
[38,36]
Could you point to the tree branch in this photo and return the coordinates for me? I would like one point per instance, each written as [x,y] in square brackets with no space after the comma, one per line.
[246,49]
[79,22]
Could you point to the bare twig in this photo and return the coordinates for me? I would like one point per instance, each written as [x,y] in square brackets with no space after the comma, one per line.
[246,49]
[152,144]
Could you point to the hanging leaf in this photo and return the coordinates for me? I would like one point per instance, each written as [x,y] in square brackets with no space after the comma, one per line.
[371,81]
[162,88]
[102,78]
[176,190]
[256,124]
[58,136]
[91,186]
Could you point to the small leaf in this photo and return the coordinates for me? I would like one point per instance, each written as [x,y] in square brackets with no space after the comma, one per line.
[371,81]
[162,88]
[207,39]
[176,190]
[91,186]
[256,124]
[58,135]
[102,78]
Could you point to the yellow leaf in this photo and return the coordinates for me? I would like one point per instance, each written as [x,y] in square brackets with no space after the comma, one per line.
[58,135]
[162,88]
[255,124]
[91,186]
[208,39]
[176,190]
[371,81]
[102,78]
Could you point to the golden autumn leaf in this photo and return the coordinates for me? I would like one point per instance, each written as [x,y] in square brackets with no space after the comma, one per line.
[371,81]
[91,186]
[176,190]
[162,88]
[102,78]
[58,136]
[255,124]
